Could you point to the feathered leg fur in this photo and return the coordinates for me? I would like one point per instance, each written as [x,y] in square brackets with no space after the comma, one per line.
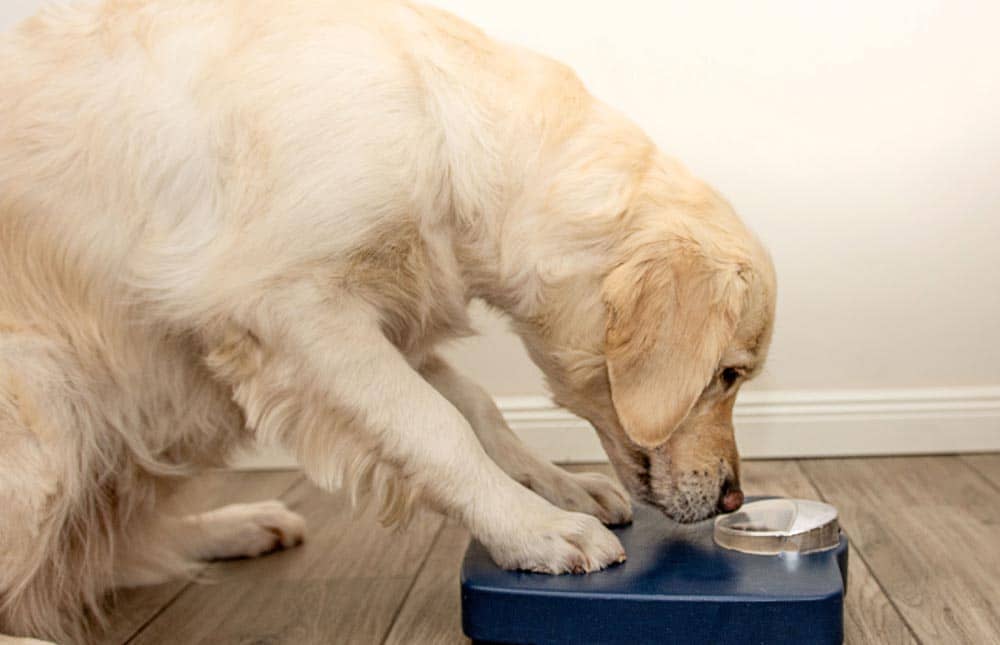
[315,372]
[591,493]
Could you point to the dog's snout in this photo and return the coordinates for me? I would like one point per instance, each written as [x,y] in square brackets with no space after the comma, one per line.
[730,498]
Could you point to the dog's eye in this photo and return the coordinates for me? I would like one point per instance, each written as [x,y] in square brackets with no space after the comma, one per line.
[729,376]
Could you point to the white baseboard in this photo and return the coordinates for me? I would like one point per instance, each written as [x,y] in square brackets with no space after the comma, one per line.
[785,424]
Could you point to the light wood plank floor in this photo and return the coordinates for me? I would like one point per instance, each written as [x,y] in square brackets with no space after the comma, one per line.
[925,562]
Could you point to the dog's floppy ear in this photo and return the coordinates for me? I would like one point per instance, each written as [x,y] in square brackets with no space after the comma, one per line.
[670,314]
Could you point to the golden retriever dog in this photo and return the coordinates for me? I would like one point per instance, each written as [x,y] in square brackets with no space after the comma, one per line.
[232,221]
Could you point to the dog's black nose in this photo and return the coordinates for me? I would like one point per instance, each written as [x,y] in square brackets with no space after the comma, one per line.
[730,498]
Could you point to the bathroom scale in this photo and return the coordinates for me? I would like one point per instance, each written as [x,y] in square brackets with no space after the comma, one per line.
[780,578]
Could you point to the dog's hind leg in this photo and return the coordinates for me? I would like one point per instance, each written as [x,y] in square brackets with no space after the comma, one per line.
[57,500]
[242,530]
[167,547]
[592,493]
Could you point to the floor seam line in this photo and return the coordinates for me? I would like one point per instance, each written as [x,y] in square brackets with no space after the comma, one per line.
[295,484]
[857,549]
[413,583]
[979,473]
[159,612]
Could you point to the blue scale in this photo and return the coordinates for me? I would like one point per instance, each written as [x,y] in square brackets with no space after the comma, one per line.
[779,579]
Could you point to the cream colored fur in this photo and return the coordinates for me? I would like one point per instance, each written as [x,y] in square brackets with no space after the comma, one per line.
[223,220]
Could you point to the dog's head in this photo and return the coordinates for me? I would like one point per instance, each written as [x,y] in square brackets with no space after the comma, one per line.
[686,319]
[686,326]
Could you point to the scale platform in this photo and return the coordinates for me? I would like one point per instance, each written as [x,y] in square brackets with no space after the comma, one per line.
[677,586]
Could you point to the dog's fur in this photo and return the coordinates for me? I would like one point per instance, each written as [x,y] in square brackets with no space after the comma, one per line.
[227,220]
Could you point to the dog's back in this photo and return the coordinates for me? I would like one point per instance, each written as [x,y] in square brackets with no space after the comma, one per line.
[97,401]
[161,159]
[136,136]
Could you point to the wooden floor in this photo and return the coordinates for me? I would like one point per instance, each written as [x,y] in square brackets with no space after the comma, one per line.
[925,564]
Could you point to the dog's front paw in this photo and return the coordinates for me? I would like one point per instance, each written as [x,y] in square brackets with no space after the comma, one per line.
[560,542]
[591,493]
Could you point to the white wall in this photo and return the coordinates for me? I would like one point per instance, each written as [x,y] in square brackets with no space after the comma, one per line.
[861,141]
[12,11]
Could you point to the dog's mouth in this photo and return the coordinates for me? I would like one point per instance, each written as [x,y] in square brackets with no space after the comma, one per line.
[689,505]
[685,497]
